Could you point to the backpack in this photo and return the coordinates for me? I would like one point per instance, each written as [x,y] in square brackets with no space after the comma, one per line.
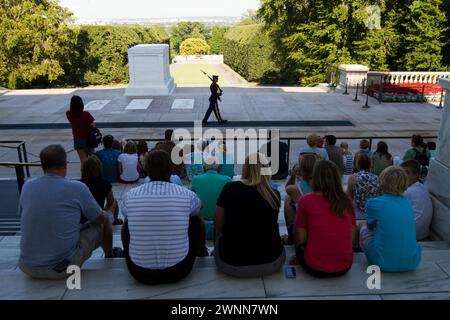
[422,158]
[95,138]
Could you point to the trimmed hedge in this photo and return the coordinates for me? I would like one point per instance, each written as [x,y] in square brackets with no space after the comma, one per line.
[100,55]
[248,50]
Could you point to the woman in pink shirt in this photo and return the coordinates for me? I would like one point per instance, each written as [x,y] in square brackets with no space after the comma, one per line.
[325,224]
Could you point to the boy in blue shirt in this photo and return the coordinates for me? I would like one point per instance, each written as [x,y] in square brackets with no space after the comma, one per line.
[108,156]
[389,238]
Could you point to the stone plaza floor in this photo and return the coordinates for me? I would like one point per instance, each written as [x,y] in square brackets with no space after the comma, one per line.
[109,279]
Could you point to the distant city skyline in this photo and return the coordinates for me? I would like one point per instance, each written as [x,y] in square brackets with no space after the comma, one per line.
[141,9]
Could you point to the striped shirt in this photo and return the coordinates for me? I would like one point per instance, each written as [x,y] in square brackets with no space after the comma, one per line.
[158,219]
[348,160]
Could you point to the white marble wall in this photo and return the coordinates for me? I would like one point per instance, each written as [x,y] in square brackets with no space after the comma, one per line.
[438,180]
[354,73]
[149,71]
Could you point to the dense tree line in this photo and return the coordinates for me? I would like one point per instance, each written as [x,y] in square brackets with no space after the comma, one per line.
[313,37]
[41,47]
[286,41]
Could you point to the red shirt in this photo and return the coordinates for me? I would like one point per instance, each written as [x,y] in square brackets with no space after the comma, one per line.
[329,244]
[81,124]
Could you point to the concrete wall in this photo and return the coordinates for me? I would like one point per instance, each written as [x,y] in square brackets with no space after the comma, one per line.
[438,180]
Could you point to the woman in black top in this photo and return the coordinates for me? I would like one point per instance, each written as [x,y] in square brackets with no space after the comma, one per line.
[101,189]
[248,242]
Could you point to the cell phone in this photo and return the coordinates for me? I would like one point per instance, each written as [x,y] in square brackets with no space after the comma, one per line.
[290,272]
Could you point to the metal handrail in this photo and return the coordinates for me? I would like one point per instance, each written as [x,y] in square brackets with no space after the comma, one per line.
[21,151]
[20,174]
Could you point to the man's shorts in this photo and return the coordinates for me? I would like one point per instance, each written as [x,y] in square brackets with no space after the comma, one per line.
[90,239]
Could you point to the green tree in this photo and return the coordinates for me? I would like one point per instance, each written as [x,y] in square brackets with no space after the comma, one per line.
[183,30]
[193,46]
[310,35]
[36,42]
[217,39]
[372,45]
[446,40]
[425,23]
[196,33]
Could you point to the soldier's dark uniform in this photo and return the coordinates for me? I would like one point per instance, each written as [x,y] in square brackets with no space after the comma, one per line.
[216,92]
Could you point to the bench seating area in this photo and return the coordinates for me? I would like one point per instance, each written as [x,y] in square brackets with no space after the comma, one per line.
[109,278]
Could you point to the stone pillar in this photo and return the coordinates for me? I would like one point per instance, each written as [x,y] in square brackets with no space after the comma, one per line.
[149,70]
[438,179]
[355,73]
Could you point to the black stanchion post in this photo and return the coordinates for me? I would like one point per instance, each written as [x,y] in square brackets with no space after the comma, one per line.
[366,106]
[356,95]
[380,97]
[441,100]
[423,94]
[363,85]
[346,86]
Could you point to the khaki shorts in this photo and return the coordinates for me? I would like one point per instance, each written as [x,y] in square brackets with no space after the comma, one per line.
[90,239]
[257,270]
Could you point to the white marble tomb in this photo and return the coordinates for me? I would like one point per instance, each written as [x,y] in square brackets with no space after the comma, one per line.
[149,71]
[353,73]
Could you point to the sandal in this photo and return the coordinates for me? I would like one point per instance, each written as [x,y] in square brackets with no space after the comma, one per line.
[116,253]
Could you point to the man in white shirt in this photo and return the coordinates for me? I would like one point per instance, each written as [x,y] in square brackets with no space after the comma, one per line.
[418,194]
[161,233]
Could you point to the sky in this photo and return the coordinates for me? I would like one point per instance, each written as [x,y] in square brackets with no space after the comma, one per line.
[107,9]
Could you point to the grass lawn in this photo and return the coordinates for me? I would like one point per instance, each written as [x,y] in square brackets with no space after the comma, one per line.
[191,74]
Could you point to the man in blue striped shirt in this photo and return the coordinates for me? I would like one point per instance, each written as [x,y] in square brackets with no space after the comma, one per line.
[161,231]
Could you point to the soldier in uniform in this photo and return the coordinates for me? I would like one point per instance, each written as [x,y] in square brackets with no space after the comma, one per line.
[216,92]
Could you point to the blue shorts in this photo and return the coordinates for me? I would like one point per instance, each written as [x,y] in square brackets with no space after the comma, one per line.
[80,144]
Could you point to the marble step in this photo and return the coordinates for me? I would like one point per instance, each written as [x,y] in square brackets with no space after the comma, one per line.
[109,279]
[431,279]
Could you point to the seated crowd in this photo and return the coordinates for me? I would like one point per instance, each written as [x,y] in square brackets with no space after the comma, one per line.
[384,211]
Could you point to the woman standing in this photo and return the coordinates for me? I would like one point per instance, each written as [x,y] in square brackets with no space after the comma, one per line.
[81,122]
[247,242]
[325,225]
